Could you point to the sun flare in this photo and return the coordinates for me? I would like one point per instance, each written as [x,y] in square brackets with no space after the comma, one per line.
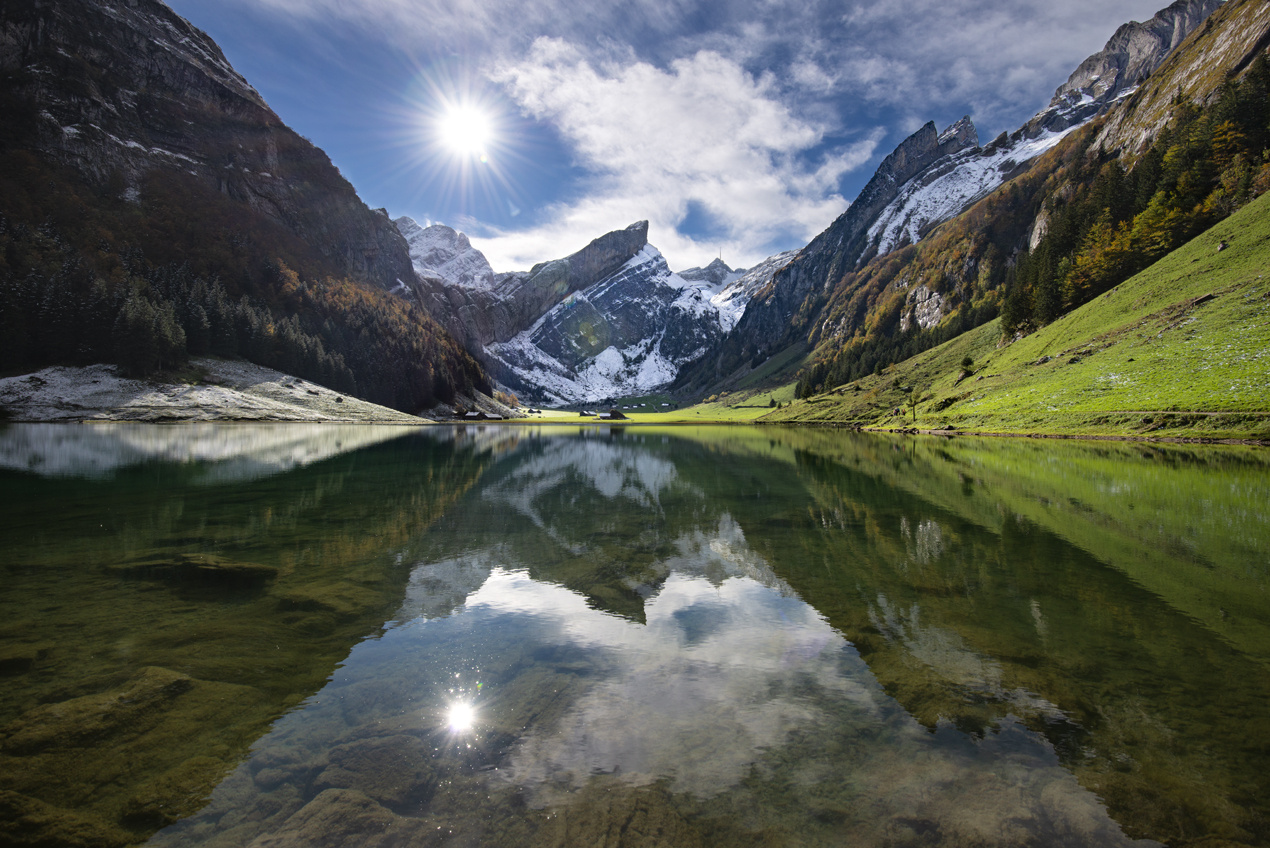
[466,130]
[462,717]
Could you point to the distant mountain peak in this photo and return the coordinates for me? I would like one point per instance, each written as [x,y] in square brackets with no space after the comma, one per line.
[962,133]
[444,252]
[717,273]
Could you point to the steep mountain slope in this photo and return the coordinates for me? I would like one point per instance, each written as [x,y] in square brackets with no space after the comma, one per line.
[1131,55]
[152,206]
[1181,349]
[950,184]
[1226,45]
[862,279]
[627,334]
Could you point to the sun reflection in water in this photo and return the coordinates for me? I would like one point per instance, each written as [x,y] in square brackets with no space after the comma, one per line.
[461,717]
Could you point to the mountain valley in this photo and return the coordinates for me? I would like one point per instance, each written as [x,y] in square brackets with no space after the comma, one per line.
[184,213]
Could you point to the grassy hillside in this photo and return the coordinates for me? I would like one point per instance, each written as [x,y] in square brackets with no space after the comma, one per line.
[1181,349]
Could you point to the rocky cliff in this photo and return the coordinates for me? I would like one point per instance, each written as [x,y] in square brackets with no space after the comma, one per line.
[777,314]
[1224,46]
[456,285]
[1130,56]
[120,90]
[627,334]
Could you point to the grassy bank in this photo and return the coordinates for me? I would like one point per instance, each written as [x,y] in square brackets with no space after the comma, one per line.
[1181,350]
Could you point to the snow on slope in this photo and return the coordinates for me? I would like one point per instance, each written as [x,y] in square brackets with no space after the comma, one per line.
[737,290]
[940,193]
[439,251]
[655,319]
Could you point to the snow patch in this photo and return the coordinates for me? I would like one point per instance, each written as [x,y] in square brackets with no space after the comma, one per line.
[968,176]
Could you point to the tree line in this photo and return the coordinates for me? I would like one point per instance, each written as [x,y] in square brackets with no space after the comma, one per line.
[353,338]
[1103,222]
[1206,164]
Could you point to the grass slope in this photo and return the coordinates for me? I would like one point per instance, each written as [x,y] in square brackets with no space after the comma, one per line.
[1180,350]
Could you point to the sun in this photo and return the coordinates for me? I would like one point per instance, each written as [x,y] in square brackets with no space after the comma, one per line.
[466,131]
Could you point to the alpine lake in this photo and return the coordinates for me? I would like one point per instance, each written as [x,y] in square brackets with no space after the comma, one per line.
[323,635]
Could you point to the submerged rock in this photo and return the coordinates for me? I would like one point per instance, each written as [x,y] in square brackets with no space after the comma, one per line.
[200,568]
[336,818]
[30,823]
[393,770]
[88,719]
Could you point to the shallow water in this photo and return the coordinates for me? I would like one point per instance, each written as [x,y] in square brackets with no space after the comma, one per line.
[303,635]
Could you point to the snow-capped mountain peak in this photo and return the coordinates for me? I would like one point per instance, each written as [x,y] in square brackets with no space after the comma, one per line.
[440,251]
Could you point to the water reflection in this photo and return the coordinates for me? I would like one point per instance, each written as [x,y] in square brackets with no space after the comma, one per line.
[219,453]
[725,709]
[697,637]
[152,626]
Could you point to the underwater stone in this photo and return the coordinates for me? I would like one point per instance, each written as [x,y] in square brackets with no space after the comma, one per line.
[87,719]
[29,823]
[336,818]
[200,568]
[393,770]
[174,794]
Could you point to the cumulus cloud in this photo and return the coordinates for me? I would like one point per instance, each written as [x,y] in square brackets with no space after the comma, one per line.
[702,133]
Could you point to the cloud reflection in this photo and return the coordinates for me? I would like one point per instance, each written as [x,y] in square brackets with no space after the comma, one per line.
[714,678]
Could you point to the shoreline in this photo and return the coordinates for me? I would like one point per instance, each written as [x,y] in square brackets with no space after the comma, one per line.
[236,392]
[103,417]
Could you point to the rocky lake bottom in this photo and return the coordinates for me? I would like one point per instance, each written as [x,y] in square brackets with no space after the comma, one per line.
[286,635]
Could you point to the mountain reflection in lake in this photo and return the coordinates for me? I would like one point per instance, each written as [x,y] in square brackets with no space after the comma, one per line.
[640,637]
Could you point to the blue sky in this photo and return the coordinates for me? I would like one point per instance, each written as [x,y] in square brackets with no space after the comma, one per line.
[740,127]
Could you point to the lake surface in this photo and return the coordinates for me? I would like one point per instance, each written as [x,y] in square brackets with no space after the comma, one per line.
[287,635]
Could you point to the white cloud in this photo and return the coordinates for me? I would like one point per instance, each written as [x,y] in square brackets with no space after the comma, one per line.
[702,131]
[718,103]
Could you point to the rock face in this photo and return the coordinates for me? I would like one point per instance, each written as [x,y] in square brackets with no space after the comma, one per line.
[1130,56]
[121,89]
[847,238]
[923,306]
[1227,42]
[774,317]
[439,251]
[627,334]
[456,285]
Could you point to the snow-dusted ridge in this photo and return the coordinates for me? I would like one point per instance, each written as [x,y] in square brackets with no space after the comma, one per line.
[443,252]
[627,334]
[947,188]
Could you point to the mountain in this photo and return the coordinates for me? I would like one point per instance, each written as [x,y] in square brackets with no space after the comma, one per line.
[456,285]
[149,191]
[1225,46]
[609,320]
[627,334]
[1130,56]
[950,182]
[1148,344]
[120,90]
[1099,207]
[851,280]
[438,252]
